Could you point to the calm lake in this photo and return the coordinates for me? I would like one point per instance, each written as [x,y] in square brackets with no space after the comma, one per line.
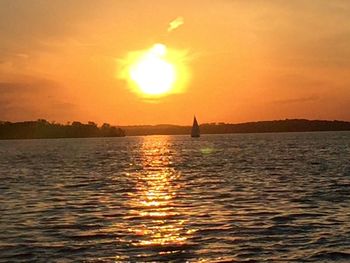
[281,197]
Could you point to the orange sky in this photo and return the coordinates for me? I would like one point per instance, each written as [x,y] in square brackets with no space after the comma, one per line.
[249,60]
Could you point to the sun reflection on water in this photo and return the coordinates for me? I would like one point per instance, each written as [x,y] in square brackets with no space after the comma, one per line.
[153,203]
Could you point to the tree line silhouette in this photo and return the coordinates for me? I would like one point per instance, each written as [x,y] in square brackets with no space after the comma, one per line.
[288,125]
[43,129]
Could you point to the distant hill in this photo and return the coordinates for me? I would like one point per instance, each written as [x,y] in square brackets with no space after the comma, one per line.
[288,125]
[42,129]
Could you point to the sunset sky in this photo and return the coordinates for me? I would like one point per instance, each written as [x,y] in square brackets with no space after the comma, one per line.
[246,60]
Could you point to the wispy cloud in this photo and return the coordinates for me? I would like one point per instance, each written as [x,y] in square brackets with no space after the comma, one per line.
[297,100]
[177,22]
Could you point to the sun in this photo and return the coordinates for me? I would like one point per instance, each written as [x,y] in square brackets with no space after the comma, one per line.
[155,72]
[152,73]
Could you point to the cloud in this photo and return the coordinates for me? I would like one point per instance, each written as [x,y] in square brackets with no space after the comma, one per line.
[29,27]
[297,100]
[177,22]
[9,88]
[32,98]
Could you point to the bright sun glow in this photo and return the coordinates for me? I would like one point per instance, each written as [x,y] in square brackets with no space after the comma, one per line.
[152,73]
[155,72]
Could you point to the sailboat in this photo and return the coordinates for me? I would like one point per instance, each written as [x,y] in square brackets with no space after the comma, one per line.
[195,128]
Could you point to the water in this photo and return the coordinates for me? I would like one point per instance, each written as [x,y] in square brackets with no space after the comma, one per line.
[220,198]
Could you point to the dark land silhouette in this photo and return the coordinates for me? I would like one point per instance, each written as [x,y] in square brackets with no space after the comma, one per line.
[288,125]
[41,129]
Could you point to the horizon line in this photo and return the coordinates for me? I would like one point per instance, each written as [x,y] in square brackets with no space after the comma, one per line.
[183,125]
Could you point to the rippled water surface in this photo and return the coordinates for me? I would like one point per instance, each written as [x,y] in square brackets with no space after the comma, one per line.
[220,198]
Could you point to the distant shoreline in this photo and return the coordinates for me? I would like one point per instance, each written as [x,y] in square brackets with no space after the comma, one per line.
[288,125]
[42,129]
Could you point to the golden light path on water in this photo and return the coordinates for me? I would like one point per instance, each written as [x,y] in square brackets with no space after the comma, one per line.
[155,221]
[158,209]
